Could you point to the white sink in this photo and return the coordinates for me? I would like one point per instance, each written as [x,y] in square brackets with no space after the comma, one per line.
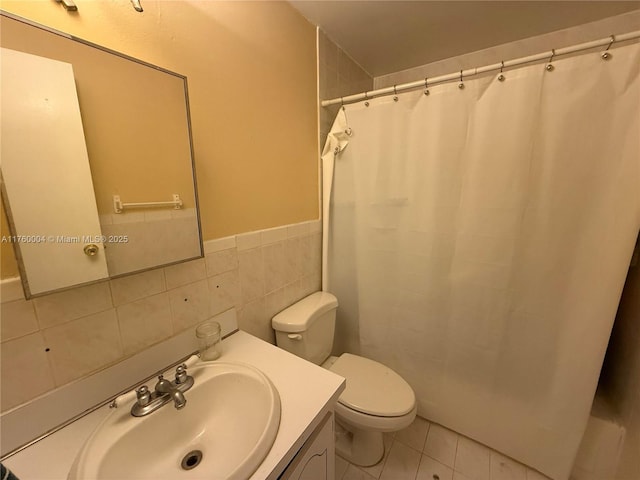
[232,417]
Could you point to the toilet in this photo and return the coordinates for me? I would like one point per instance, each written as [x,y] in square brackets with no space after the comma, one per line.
[376,399]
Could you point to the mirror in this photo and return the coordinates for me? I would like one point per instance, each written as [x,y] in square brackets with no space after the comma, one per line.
[136,126]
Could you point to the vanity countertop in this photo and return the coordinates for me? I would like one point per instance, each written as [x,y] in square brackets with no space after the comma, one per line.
[307,393]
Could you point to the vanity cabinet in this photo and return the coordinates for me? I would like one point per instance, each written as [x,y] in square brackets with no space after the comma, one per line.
[303,448]
[316,458]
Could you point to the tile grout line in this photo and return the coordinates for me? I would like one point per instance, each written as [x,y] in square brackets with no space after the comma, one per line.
[490,463]
[386,457]
[455,456]
[415,477]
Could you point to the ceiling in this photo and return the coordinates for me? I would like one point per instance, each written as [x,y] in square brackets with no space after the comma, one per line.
[389,36]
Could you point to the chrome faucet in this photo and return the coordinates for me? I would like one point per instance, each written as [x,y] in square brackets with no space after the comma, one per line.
[164,392]
[165,386]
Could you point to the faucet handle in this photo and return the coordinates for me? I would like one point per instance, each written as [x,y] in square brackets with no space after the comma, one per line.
[143,395]
[181,374]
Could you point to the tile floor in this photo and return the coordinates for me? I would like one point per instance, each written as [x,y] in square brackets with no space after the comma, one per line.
[428,451]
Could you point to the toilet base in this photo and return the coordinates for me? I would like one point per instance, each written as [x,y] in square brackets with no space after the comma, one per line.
[360,447]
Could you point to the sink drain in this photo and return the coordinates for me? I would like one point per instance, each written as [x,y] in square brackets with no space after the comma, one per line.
[191,460]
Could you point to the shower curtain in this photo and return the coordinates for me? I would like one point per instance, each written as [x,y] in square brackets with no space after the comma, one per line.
[478,240]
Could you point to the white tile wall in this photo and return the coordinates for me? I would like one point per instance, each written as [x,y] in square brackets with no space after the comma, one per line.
[275,302]
[167,236]
[339,76]
[24,357]
[224,291]
[190,305]
[58,338]
[254,319]
[273,235]
[20,319]
[144,322]
[62,307]
[274,266]
[221,261]
[79,347]
[135,287]
[247,241]
[251,274]
[218,244]
[185,273]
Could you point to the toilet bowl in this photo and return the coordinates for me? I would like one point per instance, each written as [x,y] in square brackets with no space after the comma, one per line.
[376,399]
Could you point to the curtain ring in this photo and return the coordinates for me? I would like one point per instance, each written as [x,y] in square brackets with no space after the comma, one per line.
[426,85]
[342,103]
[366,98]
[549,66]
[613,39]
[395,94]
[606,55]
[461,84]
[501,77]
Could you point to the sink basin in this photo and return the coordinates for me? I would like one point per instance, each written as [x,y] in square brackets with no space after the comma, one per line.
[231,417]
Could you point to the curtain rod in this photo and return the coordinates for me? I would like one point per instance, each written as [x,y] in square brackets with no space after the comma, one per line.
[475,71]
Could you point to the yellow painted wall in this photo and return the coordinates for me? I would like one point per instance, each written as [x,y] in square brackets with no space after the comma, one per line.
[251,69]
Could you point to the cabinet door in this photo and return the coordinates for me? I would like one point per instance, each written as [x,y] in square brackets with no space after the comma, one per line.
[316,458]
[43,145]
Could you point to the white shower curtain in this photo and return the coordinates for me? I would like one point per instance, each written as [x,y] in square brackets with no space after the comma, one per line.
[478,240]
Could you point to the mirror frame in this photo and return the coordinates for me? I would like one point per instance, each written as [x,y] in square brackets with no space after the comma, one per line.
[16,247]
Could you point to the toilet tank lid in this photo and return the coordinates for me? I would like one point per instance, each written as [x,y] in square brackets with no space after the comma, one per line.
[299,316]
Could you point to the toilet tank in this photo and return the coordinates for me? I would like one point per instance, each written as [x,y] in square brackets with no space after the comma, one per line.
[306,327]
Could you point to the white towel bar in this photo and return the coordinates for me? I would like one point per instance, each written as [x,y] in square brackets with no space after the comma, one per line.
[118,206]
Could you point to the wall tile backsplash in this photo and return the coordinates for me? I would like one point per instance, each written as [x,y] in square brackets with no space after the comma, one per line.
[58,338]
[18,319]
[76,348]
[168,236]
[339,76]
[71,304]
[23,358]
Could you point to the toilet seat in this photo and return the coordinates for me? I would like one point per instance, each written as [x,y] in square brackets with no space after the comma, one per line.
[373,388]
